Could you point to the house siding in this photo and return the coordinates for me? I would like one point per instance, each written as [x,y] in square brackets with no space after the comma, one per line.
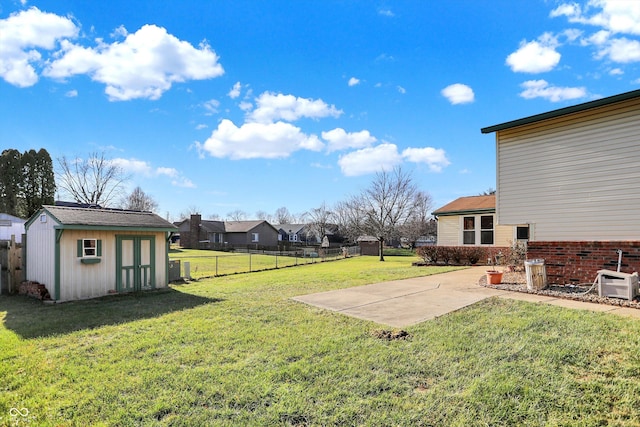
[450,231]
[575,178]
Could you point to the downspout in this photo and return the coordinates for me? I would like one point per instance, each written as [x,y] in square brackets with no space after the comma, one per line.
[166,256]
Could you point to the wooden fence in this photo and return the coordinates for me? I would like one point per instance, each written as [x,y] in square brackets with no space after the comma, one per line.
[11,266]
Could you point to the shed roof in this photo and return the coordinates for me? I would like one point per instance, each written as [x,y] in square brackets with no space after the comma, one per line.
[469,204]
[70,217]
[563,111]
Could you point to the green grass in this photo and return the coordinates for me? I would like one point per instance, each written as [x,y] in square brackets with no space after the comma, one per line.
[236,350]
[205,263]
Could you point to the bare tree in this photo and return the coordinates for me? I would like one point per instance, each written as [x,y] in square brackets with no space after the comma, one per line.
[237,215]
[191,210]
[263,216]
[346,214]
[138,200]
[215,217]
[282,216]
[387,204]
[420,222]
[96,180]
[318,220]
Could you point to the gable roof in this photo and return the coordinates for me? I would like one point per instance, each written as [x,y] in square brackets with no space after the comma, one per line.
[243,226]
[563,111]
[106,219]
[293,228]
[470,204]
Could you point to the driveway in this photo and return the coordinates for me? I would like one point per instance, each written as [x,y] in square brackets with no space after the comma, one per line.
[401,303]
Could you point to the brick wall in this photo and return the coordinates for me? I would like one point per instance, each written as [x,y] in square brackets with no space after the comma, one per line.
[578,262]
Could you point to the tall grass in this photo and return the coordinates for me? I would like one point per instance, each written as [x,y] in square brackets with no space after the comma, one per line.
[236,350]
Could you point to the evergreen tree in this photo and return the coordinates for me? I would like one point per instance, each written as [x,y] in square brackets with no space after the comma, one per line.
[10,181]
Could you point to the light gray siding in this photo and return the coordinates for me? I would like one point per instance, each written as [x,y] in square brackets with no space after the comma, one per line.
[41,240]
[575,177]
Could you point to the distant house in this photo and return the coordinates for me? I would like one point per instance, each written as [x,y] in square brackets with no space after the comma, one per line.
[572,175]
[472,221]
[80,253]
[11,226]
[212,234]
[293,233]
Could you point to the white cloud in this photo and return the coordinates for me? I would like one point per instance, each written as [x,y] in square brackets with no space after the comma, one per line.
[616,72]
[235,91]
[211,107]
[133,166]
[144,65]
[272,107]
[71,94]
[201,126]
[245,106]
[618,16]
[144,168]
[383,157]
[401,90]
[257,140]
[621,50]
[339,139]
[542,89]
[458,93]
[386,12]
[536,56]
[24,32]
[435,158]
[353,81]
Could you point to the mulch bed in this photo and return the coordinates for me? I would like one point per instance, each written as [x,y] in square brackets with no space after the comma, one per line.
[517,282]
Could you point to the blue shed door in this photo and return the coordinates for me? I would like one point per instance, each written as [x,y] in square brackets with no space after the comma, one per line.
[135,263]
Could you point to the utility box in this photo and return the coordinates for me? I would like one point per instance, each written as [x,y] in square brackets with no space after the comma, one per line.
[174,270]
[617,285]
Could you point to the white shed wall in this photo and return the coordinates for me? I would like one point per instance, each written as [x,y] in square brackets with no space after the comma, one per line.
[575,177]
[82,281]
[41,240]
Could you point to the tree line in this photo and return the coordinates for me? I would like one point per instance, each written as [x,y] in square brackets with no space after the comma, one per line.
[26,181]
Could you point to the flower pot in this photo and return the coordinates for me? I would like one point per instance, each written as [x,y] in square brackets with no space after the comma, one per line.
[494,277]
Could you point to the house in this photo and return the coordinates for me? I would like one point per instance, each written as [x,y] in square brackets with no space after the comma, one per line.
[80,253]
[294,233]
[11,226]
[572,175]
[212,234]
[472,221]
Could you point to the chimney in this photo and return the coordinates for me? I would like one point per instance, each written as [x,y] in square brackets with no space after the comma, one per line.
[194,231]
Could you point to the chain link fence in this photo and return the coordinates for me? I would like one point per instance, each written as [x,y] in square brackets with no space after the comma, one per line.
[201,264]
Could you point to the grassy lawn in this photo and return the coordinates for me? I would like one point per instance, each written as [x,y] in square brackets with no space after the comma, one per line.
[205,263]
[236,351]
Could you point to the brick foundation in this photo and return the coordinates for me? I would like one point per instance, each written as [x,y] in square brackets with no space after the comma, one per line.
[578,262]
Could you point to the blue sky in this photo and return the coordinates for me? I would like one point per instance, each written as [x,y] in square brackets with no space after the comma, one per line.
[255,105]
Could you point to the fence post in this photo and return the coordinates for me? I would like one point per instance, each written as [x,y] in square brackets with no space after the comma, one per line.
[216,265]
[249,262]
[276,260]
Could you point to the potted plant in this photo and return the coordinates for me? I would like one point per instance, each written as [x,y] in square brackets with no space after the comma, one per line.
[494,277]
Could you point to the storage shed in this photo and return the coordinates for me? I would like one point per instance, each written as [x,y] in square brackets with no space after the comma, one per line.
[80,253]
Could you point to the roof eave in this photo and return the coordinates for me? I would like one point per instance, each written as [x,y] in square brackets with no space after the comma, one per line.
[464,212]
[563,111]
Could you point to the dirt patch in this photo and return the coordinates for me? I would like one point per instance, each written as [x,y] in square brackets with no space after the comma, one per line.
[390,335]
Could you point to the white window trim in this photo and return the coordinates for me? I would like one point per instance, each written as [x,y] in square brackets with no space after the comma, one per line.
[255,237]
[477,229]
[94,248]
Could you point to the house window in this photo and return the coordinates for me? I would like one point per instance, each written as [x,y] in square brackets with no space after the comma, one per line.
[486,230]
[293,237]
[469,231]
[255,237]
[522,233]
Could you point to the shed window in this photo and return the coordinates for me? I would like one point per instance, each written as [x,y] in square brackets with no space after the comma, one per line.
[89,248]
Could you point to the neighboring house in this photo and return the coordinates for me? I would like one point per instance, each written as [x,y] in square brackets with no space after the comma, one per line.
[472,221]
[294,233]
[210,234]
[573,175]
[80,253]
[11,226]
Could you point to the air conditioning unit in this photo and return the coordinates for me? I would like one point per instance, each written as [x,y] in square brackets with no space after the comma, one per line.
[617,285]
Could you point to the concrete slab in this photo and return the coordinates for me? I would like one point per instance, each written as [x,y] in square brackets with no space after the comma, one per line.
[401,303]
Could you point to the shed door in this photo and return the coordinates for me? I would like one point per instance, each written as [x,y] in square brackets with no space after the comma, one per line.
[135,263]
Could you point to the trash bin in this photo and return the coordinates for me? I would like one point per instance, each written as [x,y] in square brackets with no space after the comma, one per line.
[536,274]
[174,270]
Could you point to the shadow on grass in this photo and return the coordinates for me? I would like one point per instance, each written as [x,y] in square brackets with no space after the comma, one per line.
[31,318]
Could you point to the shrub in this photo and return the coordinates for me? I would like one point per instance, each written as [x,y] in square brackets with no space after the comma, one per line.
[474,254]
[515,256]
[445,253]
[428,253]
[457,254]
